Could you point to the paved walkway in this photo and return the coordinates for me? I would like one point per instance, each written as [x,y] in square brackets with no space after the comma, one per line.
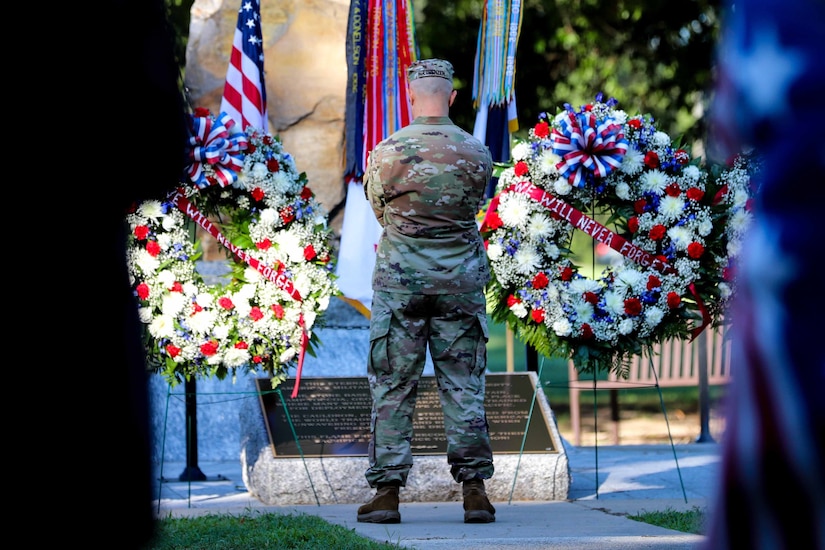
[608,483]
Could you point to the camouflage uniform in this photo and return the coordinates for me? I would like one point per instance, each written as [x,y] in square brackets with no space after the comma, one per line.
[426,184]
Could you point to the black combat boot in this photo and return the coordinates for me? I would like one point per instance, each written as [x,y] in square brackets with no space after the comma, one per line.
[477,508]
[382,508]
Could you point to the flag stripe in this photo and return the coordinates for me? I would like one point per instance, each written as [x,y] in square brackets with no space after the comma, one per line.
[244,94]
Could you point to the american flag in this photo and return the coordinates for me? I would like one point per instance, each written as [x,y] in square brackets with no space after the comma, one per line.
[244,94]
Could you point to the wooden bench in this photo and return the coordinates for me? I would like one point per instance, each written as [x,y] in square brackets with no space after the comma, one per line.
[676,363]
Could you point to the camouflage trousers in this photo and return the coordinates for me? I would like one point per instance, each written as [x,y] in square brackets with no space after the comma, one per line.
[402,326]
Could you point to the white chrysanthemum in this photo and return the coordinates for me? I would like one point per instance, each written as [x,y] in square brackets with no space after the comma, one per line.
[514,210]
[633,161]
[740,198]
[172,303]
[235,357]
[269,217]
[660,139]
[625,326]
[521,151]
[166,241]
[671,208]
[290,243]
[584,311]
[614,302]
[221,332]
[562,327]
[150,209]
[562,186]
[725,291]
[242,306]
[146,262]
[494,251]
[168,223]
[166,278]
[258,171]
[654,181]
[246,292]
[623,191]
[203,321]
[705,226]
[540,226]
[145,314]
[162,326]
[287,355]
[628,280]
[581,285]
[519,310]
[740,221]
[691,174]
[734,248]
[548,161]
[620,116]
[680,236]
[204,299]
[526,258]
[552,251]
[653,316]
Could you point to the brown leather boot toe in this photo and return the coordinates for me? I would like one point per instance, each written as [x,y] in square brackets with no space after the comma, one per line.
[382,508]
[477,507]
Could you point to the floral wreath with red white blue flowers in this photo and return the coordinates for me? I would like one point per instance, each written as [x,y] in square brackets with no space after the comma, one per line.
[242,188]
[670,229]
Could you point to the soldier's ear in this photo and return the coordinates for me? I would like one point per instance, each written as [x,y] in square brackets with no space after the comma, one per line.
[452,97]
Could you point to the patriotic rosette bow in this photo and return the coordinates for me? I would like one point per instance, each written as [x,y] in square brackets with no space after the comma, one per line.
[587,145]
[216,152]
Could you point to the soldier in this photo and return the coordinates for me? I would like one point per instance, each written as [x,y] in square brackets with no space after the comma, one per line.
[426,183]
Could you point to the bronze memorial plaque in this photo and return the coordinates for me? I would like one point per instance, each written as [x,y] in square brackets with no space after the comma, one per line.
[331,417]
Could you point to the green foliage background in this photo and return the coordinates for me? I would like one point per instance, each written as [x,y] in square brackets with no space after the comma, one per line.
[653,56]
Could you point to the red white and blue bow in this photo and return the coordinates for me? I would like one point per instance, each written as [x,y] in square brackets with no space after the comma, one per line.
[216,153]
[585,143]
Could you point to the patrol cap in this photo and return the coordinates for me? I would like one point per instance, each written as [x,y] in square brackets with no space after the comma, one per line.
[426,68]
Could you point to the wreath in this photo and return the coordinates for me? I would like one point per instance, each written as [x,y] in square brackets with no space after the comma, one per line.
[244,189]
[668,228]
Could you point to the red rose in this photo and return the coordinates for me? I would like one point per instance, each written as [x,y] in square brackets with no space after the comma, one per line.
[673,300]
[566,274]
[201,112]
[632,306]
[587,332]
[287,215]
[651,159]
[542,130]
[258,194]
[537,315]
[493,221]
[241,345]
[173,351]
[653,282]
[695,250]
[681,156]
[210,348]
[176,287]
[633,224]
[141,232]
[250,148]
[540,280]
[278,310]
[196,307]
[257,359]
[657,232]
[591,298]
[306,193]
[695,194]
[267,140]
[673,190]
[273,165]
[639,206]
[309,253]
[264,244]
[521,168]
[153,248]
[634,123]
[256,314]
[225,302]
[512,300]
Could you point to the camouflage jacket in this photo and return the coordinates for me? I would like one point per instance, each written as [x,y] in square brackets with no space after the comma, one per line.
[426,184]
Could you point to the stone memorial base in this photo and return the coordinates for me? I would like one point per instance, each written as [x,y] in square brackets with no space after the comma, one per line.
[291,480]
